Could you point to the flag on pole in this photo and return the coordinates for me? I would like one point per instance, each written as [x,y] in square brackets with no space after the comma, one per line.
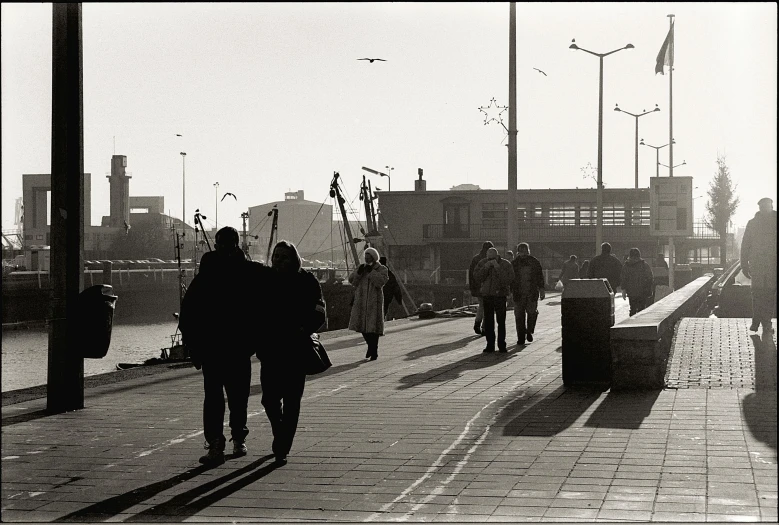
[666,55]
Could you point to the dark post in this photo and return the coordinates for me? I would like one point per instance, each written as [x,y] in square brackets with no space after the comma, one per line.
[107,272]
[65,382]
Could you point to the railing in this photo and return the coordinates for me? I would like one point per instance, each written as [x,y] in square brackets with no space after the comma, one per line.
[542,230]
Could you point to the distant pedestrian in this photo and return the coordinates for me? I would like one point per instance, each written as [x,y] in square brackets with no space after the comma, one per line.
[660,271]
[391,289]
[606,265]
[636,281]
[213,321]
[585,269]
[495,275]
[509,255]
[297,311]
[478,324]
[569,271]
[660,261]
[527,287]
[367,316]
[758,263]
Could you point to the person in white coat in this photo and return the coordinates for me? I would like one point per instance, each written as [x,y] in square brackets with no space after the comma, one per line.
[367,316]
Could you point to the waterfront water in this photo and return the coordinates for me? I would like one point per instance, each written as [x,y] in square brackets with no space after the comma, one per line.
[25,352]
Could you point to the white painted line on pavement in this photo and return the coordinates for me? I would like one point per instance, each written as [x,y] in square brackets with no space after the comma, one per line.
[436,464]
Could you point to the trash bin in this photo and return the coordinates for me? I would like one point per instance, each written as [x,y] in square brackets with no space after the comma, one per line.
[96,317]
[587,316]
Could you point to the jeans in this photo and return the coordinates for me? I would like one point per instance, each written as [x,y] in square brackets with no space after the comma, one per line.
[636,304]
[763,306]
[233,376]
[495,307]
[524,306]
[282,390]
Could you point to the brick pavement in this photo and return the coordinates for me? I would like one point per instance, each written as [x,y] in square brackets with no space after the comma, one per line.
[433,430]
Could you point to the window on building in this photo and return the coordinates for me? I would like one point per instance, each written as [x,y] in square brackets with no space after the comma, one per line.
[139,210]
[411,258]
[613,214]
[562,215]
[639,214]
[494,210]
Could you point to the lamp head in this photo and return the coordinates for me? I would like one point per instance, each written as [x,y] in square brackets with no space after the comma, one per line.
[656,108]
[573,44]
[642,142]
[183,154]
[616,108]
[629,46]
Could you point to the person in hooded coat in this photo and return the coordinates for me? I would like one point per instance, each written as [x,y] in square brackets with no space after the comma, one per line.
[758,262]
[636,280]
[367,315]
[475,287]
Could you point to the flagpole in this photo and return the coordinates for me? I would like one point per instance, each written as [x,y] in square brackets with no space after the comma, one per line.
[671,247]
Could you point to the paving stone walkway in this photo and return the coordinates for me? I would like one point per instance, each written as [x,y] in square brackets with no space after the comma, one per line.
[434,430]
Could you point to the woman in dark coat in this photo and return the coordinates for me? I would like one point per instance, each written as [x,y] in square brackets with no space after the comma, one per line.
[298,310]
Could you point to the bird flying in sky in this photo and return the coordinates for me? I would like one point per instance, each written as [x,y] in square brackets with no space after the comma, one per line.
[228,193]
[540,71]
[372,59]
[178,135]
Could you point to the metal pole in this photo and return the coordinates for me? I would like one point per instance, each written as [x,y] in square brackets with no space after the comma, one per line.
[511,230]
[672,255]
[183,191]
[599,221]
[65,374]
[216,205]
[636,152]
[657,162]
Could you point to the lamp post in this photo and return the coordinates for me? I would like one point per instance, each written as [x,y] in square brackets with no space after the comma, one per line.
[599,223]
[216,205]
[657,154]
[389,181]
[183,191]
[389,170]
[617,108]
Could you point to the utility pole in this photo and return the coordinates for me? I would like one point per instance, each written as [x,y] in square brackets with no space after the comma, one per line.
[511,230]
[244,244]
[65,375]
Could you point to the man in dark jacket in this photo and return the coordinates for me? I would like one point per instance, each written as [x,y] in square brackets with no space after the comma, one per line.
[474,286]
[606,266]
[391,289]
[758,262]
[298,311]
[636,281]
[213,323]
[527,287]
[495,276]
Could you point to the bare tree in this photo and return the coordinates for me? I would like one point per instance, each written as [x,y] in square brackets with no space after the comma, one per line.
[722,204]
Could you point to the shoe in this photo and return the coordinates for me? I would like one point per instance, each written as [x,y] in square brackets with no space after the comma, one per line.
[754,326]
[239,448]
[529,338]
[280,460]
[213,457]
[488,350]
[373,357]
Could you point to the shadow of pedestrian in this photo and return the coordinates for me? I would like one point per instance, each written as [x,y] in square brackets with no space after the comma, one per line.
[118,504]
[626,409]
[759,407]
[549,415]
[452,371]
[439,349]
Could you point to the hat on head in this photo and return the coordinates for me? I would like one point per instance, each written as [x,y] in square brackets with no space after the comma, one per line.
[492,253]
[764,199]
[373,252]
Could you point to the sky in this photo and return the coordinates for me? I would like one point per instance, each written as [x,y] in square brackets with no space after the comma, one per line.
[270,97]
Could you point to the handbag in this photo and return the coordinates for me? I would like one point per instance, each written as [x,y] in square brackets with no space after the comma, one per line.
[559,286]
[315,359]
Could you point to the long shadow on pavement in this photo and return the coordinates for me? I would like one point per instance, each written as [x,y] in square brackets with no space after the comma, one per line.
[116,505]
[451,371]
[439,349]
[623,409]
[553,413]
[759,407]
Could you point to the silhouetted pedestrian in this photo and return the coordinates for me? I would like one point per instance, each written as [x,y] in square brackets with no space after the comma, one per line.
[213,322]
[367,316]
[585,269]
[495,275]
[570,270]
[473,284]
[391,289]
[527,287]
[636,281]
[758,263]
[296,312]
[606,265]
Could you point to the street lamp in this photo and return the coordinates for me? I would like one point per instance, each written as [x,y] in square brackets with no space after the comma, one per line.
[665,166]
[183,191]
[216,204]
[389,181]
[617,108]
[657,154]
[389,171]
[599,223]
